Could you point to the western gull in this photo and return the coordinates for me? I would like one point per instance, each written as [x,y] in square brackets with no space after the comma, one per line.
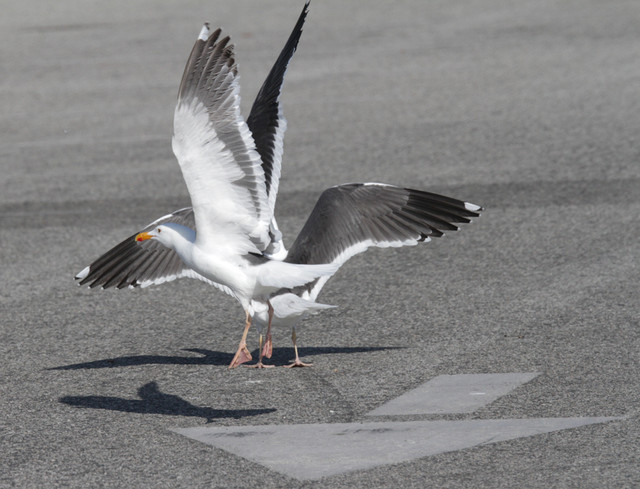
[229,237]
[347,220]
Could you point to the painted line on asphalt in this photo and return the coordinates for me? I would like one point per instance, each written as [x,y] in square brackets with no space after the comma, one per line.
[313,451]
[452,394]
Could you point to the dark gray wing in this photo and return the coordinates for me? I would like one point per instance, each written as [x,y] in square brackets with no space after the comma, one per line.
[266,121]
[348,219]
[133,264]
[267,124]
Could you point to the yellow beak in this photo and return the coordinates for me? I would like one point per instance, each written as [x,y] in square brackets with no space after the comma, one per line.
[143,237]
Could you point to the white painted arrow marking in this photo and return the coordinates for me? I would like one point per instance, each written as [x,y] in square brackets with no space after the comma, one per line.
[312,451]
[449,394]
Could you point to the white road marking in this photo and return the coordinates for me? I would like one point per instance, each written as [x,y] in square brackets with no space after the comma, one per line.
[312,451]
[450,394]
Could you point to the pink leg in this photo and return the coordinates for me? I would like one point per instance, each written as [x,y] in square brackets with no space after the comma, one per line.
[268,348]
[267,351]
[259,364]
[296,362]
[242,355]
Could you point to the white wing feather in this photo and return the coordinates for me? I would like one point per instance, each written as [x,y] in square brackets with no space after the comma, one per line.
[217,154]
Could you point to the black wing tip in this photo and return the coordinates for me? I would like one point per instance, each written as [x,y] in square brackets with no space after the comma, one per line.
[208,48]
[86,277]
[206,35]
[93,282]
[462,208]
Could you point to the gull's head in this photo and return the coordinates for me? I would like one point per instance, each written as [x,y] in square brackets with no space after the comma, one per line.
[158,233]
[169,234]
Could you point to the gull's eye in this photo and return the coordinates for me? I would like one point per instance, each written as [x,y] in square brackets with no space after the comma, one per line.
[159,230]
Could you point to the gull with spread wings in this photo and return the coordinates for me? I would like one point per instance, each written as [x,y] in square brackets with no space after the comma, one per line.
[229,237]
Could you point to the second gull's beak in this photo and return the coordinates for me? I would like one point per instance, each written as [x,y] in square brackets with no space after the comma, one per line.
[143,236]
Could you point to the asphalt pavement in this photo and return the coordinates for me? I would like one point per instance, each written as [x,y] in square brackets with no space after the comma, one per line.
[530,109]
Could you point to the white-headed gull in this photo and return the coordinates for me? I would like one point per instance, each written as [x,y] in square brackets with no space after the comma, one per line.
[228,238]
[347,219]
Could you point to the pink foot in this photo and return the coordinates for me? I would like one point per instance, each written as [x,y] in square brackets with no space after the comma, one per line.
[267,349]
[298,363]
[241,356]
[259,365]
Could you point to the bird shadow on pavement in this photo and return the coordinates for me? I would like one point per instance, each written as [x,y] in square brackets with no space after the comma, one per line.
[284,356]
[211,357]
[153,401]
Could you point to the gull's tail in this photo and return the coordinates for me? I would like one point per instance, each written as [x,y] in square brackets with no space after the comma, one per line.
[291,305]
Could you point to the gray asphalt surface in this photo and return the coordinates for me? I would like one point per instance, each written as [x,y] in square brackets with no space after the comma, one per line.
[530,108]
